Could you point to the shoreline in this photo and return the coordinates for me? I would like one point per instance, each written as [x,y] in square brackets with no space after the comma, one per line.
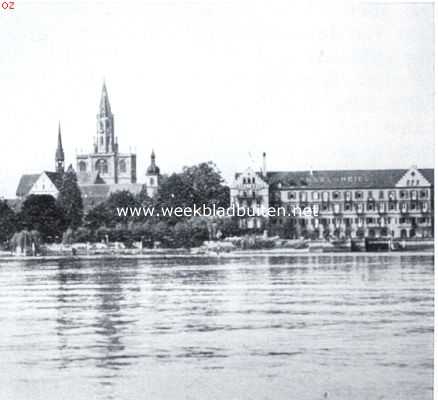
[229,255]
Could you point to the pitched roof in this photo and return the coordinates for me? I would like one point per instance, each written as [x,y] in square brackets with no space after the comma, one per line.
[342,179]
[28,180]
[98,191]
[26,183]
[55,177]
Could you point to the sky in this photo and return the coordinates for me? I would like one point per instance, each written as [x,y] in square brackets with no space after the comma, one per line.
[315,86]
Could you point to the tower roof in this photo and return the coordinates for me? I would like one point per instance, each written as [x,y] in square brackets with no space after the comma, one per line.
[59,156]
[105,107]
[153,168]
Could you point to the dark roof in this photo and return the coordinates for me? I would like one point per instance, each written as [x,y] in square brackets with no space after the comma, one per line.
[343,179]
[94,194]
[55,177]
[98,191]
[153,170]
[26,183]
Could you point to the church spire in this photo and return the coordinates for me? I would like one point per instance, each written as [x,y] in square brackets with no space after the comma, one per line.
[105,107]
[105,125]
[59,155]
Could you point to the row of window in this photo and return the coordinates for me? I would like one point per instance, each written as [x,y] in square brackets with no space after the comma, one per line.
[248,181]
[357,195]
[102,166]
[373,207]
[358,221]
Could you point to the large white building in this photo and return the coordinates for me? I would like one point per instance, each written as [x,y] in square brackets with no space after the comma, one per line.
[350,203]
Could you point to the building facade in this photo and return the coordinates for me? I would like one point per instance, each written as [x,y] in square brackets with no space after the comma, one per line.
[106,164]
[394,203]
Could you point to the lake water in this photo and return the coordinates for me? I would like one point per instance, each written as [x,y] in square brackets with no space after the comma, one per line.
[301,327]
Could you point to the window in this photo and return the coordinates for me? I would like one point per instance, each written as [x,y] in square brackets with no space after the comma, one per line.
[391,195]
[325,196]
[335,195]
[381,194]
[402,194]
[82,166]
[358,195]
[315,196]
[423,194]
[291,195]
[122,166]
[347,207]
[151,181]
[370,206]
[413,194]
[102,166]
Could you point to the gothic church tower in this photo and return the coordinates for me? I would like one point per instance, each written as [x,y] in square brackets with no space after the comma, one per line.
[59,155]
[105,140]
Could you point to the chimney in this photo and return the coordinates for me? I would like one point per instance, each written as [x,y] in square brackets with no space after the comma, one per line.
[264,165]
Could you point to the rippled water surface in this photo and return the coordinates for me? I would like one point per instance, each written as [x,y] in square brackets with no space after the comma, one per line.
[305,327]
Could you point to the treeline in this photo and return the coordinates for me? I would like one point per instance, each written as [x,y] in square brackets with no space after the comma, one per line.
[64,219]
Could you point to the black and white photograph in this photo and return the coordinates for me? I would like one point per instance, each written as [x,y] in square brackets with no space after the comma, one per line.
[223,200]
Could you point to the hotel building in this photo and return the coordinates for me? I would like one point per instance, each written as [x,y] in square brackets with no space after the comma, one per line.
[394,203]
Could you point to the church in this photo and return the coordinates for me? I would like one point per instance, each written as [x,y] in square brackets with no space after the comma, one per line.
[101,172]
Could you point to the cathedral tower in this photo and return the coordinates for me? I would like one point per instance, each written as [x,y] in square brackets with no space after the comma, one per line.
[106,165]
[59,155]
[105,142]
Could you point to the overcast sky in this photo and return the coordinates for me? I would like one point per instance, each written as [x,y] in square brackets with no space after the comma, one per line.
[313,85]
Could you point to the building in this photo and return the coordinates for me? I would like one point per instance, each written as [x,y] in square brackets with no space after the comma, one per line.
[107,170]
[46,182]
[101,172]
[349,203]
[106,164]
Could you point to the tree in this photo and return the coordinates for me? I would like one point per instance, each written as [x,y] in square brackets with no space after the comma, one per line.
[70,199]
[118,200]
[208,184]
[198,185]
[98,216]
[8,221]
[41,213]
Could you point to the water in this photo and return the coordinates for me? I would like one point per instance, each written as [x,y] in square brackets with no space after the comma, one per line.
[305,327]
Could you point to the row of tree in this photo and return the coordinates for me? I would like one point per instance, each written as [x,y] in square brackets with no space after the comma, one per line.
[64,218]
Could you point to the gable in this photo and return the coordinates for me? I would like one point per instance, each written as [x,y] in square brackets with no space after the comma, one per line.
[44,185]
[249,176]
[413,177]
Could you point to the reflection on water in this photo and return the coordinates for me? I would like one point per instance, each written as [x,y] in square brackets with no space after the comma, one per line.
[304,327]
